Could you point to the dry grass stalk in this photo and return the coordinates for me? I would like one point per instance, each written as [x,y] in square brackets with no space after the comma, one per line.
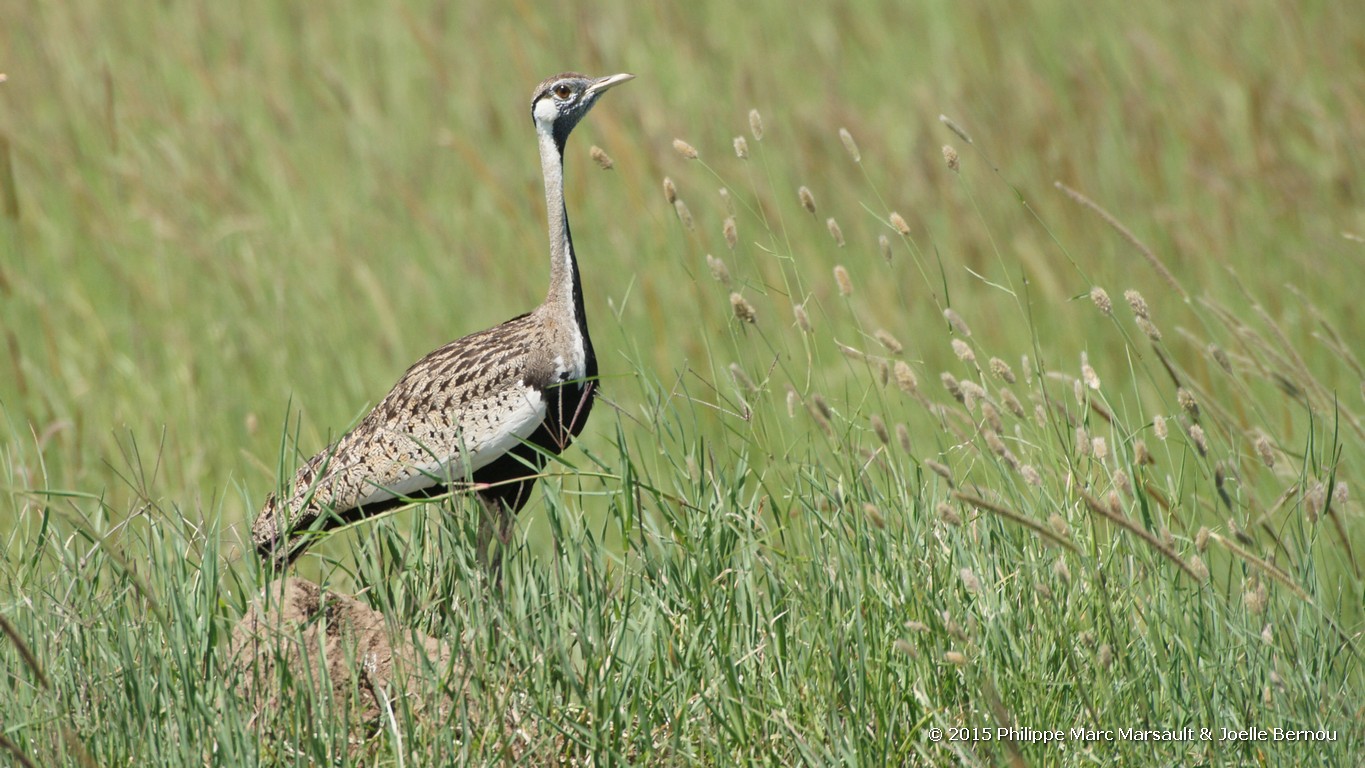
[600,157]
[1123,522]
[1128,235]
[1011,515]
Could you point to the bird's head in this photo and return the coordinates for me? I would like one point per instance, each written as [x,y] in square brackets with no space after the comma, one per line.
[561,101]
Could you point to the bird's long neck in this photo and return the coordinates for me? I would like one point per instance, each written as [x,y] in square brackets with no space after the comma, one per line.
[566,294]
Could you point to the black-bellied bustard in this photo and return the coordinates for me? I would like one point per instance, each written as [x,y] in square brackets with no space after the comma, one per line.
[484,409]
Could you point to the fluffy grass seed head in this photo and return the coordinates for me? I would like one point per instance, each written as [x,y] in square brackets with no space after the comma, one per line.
[850,145]
[1101,299]
[1088,374]
[670,191]
[756,125]
[958,324]
[731,232]
[684,214]
[964,352]
[1198,568]
[802,318]
[950,157]
[1002,370]
[955,128]
[726,201]
[835,232]
[905,378]
[1031,476]
[1012,403]
[1197,437]
[892,344]
[884,245]
[951,384]
[1100,448]
[719,272]
[743,310]
[741,148]
[1187,401]
[1149,329]
[807,199]
[903,437]
[1061,571]
[842,279]
[879,429]
[899,224]
[600,157]
[1137,303]
[970,582]
[1141,455]
[687,151]
[940,469]
[1221,357]
[874,516]
[1159,427]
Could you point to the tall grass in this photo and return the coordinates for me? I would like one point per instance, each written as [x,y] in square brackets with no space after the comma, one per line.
[1052,427]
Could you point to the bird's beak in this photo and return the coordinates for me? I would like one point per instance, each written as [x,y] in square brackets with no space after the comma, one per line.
[603,83]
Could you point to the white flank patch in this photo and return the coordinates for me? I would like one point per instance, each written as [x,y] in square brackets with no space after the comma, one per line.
[482,445]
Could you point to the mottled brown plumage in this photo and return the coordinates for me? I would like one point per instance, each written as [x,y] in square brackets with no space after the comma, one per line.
[483,410]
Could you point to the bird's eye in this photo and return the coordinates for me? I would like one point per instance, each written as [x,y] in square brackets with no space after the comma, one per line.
[562,91]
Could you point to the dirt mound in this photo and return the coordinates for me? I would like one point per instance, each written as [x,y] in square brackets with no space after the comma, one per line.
[296,634]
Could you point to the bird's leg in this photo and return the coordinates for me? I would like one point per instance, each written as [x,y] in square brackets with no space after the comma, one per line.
[495,520]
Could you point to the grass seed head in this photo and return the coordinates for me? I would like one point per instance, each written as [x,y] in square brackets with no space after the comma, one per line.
[1201,539]
[958,324]
[1198,568]
[1002,370]
[955,128]
[741,378]
[1220,357]
[950,157]
[726,201]
[807,199]
[741,148]
[1058,525]
[1201,443]
[955,658]
[731,232]
[802,319]
[1267,637]
[1012,403]
[879,429]
[792,400]
[1031,476]
[1340,493]
[891,343]
[1123,482]
[1159,427]
[898,223]
[600,157]
[1187,401]
[874,516]
[743,309]
[940,469]
[884,244]
[1105,657]
[1088,374]
[903,437]
[1149,329]
[1101,299]
[719,272]
[972,393]
[906,648]
[950,383]
[1082,442]
[1141,455]
[756,125]
[1100,448]
[963,351]
[992,417]
[687,151]
[1078,391]
[947,514]
[1254,598]
[684,215]
[842,279]
[1315,499]
[670,191]
[1137,303]
[835,232]
[850,145]
[905,378]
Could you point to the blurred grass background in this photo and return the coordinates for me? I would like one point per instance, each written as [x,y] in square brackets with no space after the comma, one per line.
[221,223]
[225,210]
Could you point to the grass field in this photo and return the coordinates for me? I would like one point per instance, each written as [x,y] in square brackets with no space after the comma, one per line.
[1068,435]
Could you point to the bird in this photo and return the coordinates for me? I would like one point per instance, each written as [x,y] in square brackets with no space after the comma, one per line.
[481,413]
